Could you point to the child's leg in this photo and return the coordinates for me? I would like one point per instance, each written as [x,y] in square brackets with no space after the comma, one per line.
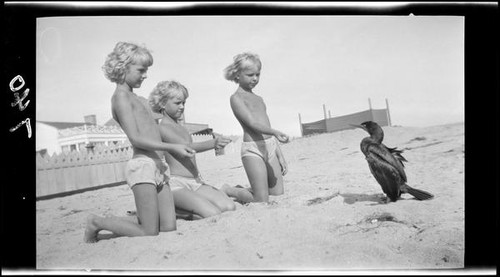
[217,198]
[275,177]
[186,215]
[118,226]
[190,201]
[166,209]
[147,212]
[256,171]
[147,205]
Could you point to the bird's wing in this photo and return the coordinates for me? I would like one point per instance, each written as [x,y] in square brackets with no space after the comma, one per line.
[397,154]
[386,175]
[383,154]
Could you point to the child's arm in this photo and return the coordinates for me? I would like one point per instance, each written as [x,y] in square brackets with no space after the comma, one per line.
[123,111]
[282,161]
[244,115]
[203,145]
[216,143]
[168,134]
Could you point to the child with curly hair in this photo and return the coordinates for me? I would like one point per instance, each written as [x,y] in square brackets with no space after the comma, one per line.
[146,173]
[193,196]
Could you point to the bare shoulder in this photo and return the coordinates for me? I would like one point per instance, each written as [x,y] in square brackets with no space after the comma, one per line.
[235,97]
[120,100]
[165,124]
[120,96]
[121,105]
[143,100]
[245,97]
[172,131]
[235,100]
[240,103]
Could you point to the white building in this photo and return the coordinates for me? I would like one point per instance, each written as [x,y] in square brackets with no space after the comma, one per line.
[64,137]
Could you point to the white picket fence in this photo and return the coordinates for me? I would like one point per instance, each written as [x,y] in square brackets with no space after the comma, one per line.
[76,171]
[85,170]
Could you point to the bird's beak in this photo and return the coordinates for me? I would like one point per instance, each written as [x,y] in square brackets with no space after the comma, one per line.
[359,126]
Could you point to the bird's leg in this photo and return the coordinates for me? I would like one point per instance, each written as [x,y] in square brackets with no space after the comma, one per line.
[384,199]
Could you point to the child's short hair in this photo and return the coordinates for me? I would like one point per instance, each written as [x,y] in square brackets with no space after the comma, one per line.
[233,69]
[124,54]
[163,91]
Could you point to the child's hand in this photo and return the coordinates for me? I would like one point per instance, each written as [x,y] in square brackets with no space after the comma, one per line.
[284,167]
[282,162]
[183,151]
[221,142]
[281,137]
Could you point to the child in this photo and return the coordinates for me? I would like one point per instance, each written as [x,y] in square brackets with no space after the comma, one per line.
[191,193]
[260,152]
[127,66]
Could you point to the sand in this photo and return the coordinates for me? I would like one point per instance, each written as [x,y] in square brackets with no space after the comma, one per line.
[329,219]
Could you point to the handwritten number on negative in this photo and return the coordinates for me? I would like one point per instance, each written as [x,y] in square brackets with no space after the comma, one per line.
[18,101]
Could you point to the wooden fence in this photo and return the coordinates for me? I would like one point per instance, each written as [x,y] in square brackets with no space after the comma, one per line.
[102,166]
[80,171]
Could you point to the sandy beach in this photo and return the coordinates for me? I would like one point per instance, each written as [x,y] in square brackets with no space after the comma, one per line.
[328,219]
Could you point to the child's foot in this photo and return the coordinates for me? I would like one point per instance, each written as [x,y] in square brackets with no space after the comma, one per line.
[91,230]
[239,193]
[271,203]
[225,189]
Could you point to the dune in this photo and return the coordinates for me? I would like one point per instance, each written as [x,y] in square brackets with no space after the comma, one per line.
[329,219]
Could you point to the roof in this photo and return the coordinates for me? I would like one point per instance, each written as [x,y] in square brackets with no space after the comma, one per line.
[111,122]
[92,129]
[64,125]
[195,128]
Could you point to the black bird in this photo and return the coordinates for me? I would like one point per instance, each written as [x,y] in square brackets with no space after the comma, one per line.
[386,164]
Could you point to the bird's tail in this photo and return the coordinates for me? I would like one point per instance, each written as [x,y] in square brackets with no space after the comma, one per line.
[418,193]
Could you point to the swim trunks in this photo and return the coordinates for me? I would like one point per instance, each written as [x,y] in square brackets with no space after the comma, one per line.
[181,182]
[144,169]
[264,149]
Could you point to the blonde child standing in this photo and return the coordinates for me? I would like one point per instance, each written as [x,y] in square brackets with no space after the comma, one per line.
[261,155]
[127,66]
[192,195]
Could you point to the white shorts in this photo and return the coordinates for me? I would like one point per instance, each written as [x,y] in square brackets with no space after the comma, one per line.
[146,170]
[181,182]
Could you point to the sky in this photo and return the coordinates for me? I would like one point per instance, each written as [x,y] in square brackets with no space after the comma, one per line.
[415,62]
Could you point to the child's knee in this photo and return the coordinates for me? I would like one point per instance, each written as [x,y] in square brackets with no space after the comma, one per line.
[168,227]
[261,197]
[212,211]
[151,232]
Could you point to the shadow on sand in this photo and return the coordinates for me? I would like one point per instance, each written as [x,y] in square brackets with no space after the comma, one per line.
[351,198]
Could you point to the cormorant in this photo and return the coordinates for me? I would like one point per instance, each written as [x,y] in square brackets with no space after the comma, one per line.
[386,164]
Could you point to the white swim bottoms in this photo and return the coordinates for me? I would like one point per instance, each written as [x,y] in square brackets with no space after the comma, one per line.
[144,169]
[190,183]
